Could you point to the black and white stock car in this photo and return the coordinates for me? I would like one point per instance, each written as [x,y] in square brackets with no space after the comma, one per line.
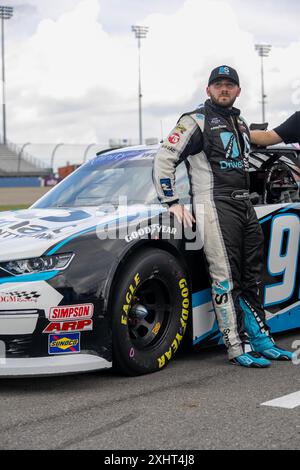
[97,273]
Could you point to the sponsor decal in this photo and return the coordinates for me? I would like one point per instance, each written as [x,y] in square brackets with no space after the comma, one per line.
[221,287]
[169,148]
[174,138]
[60,327]
[21,296]
[131,353]
[215,128]
[129,297]
[180,128]
[220,292]
[224,70]
[200,116]
[230,144]
[32,294]
[221,299]
[166,186]
[183,320]
[215,121]
[226,337]
[71,311]
[232,165]
[150,230]
[13,229]
[156,329]
[64,344]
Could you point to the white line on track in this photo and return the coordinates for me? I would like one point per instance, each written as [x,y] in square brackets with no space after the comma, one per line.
[287,401]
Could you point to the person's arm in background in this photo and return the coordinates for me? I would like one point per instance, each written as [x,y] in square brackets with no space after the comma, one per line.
[184,140]
[288,132]
[264,138]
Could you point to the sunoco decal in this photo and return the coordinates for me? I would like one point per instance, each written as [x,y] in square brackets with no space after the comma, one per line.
[64,344]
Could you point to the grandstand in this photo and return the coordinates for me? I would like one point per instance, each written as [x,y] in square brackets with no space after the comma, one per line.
[15,162]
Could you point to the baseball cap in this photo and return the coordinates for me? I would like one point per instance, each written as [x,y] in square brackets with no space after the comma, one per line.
[224,71]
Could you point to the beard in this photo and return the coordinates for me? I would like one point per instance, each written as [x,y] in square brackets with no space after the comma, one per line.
[218,102]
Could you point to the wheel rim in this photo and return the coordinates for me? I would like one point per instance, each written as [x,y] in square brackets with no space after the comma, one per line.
[150,314]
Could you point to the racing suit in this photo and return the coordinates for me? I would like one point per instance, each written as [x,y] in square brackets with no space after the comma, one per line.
[214,142]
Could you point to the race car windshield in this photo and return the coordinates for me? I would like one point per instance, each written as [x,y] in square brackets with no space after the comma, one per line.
[105,179]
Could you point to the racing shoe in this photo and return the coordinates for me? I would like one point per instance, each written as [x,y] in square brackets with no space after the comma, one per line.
[251,359]
[277,354]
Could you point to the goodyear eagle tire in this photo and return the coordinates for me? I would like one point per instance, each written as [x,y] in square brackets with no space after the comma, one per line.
[150,309]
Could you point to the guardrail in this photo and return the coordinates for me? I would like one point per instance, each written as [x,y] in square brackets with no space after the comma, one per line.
[19,152]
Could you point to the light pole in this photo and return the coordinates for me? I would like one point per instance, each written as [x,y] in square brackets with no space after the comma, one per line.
[5,14]
[140,33]
[263,51]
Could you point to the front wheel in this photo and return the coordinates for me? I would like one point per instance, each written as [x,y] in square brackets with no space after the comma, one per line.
[150,309]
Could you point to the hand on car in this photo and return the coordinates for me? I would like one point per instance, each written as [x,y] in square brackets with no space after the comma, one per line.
[182,214]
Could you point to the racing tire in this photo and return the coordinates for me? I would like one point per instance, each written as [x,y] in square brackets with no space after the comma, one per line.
[150,309]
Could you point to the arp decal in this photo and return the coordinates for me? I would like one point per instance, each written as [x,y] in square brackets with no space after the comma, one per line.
[61,327]
[64,344]
[66,312]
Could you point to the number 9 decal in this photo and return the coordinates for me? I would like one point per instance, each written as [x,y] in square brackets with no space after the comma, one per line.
[283,258]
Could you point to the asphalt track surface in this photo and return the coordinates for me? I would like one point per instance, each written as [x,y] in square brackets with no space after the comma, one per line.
[199,401]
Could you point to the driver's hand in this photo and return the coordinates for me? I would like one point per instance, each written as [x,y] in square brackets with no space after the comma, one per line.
[182,214]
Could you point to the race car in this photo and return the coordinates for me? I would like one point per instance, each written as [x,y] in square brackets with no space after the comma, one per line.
[97,273]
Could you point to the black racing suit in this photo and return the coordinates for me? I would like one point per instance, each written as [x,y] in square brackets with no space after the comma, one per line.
[214,142]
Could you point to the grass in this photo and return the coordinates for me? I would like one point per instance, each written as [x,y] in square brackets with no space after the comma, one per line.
[13,207]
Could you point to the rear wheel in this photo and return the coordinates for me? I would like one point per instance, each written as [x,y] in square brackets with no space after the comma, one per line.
[150,310]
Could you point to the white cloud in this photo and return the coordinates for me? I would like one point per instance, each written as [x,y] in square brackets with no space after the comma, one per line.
[72,81]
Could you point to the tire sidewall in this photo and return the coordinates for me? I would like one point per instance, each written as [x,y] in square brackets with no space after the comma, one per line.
[160,265]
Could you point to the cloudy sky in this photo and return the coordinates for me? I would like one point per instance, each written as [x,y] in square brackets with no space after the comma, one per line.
[72,65]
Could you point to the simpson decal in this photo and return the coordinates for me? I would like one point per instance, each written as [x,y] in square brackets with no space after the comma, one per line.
[71,311]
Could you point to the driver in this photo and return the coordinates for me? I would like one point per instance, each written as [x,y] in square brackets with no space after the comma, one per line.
[214,140]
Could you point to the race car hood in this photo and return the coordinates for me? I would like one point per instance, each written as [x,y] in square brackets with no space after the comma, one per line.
[32,232]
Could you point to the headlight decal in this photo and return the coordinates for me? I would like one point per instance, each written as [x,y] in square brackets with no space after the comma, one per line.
[41,264]
[29,277]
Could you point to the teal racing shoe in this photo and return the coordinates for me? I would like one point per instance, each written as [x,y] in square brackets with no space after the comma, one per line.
[277,354]
[251,359]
